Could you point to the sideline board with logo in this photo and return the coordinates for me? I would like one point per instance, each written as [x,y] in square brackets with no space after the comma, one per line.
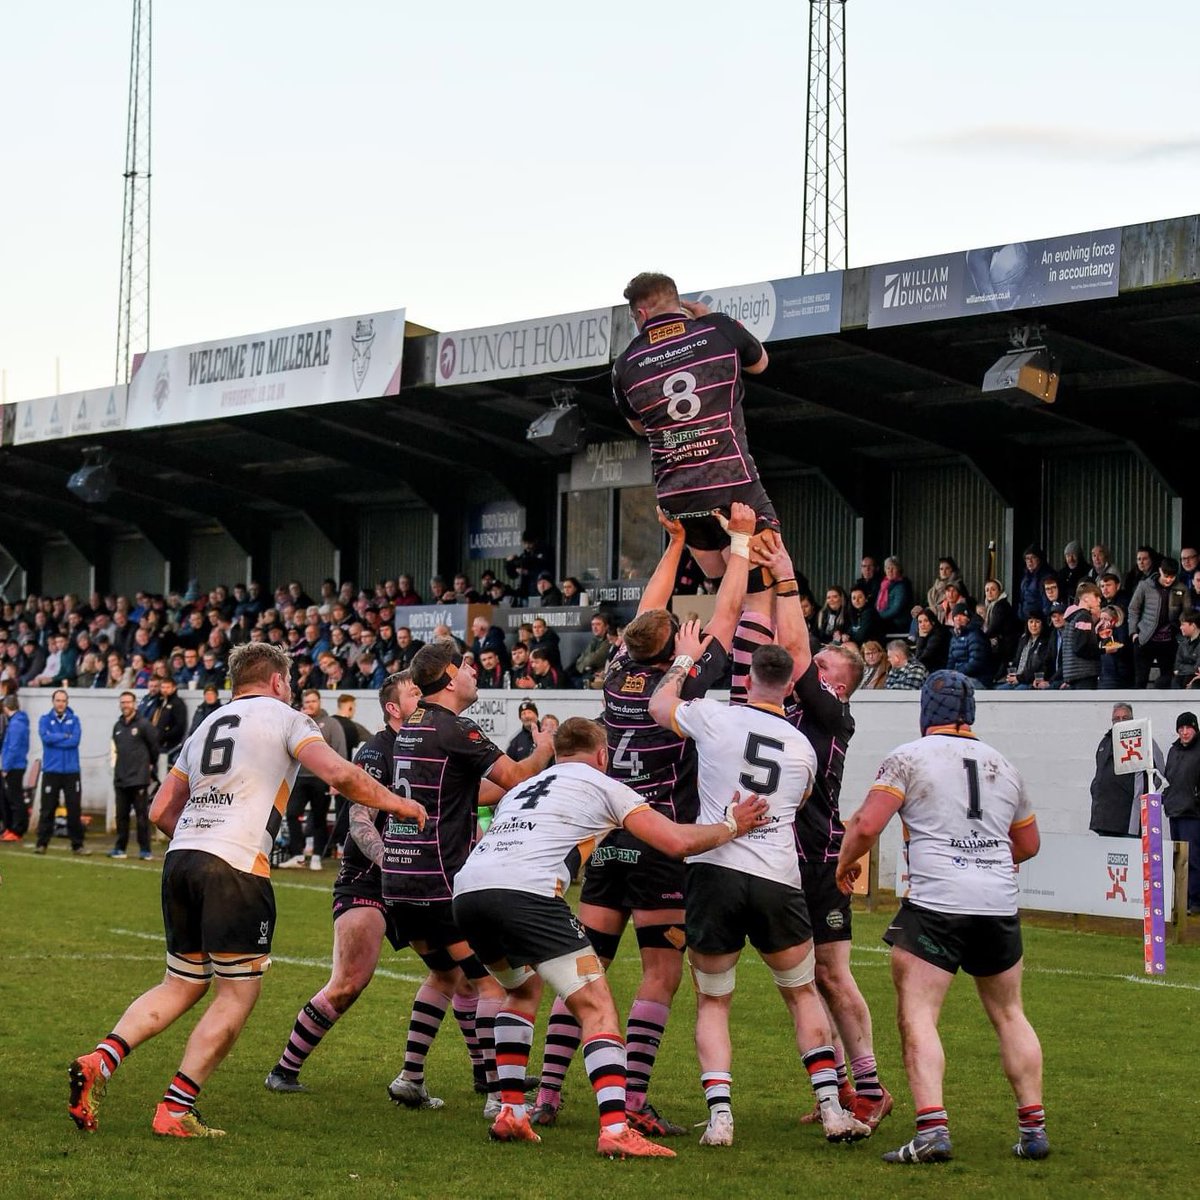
[74,414]
[1061,270]
[801,306]
[1081,873]
[561,343]
[494,530]
[321,363]
[620,462]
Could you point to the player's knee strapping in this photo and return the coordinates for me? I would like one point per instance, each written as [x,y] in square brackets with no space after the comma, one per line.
[662,937]
[190,970]
[240,967]
[605,944]
[567,973]
[793,977]
[510,978]
[715,983]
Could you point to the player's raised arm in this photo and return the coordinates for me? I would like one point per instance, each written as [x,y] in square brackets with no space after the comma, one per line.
[354,783]
[690,644]
[791,628]
[732,592]
[680,841]
[862,832]
[661,585]
[505,773]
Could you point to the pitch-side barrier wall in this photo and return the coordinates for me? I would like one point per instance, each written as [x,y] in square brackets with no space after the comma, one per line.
[1051,739]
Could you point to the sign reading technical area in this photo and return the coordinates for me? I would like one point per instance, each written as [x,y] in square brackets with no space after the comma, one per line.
[75,414]
[562,343]
[802,306]
[1062,270]
[323,363]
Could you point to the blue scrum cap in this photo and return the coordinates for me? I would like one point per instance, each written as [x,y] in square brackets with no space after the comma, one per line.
[947,698]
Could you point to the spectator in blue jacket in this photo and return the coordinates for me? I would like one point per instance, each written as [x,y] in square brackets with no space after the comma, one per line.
[969,653]
[60,732]
[1031,595]
[14,758]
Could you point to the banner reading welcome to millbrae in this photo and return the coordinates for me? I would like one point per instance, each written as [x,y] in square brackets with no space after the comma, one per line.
[1061,270]
[322,363]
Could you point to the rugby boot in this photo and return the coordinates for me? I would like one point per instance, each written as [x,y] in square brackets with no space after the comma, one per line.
[1033,1144]
[719,1130]
[847,1098]
[630,1144]
[87,1086]
[185,1125]
[871,1112]
[842,1126]
[508,1127]
[280,1080]
[930,1146]
[412,1095]
[648,1123]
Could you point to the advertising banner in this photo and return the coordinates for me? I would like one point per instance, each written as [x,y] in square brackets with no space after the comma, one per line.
[322,363]
[1154,889]
[74,414]
[1081,873]
[494,530]
[801,306]
[561,343]
[1061,270]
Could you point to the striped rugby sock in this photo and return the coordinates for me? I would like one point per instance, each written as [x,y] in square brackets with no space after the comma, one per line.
[822,1073]
[718,1089]
[464,1013]
[643,1033]
[313,1022]
[754,629]
[429,1007]
[180,1096]
[514,1041]
[866,1077]
[112,1051]
[604,1061]
[1031,1118]
[931,1119]
[485,1031]
[563,1035]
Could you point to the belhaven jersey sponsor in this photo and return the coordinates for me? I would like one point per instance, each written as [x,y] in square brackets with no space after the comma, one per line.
[824,718]
[681,379]
[749,749]
[657,763]
[960,800]
[375,756]
[439,759]
[240,766]
[544,828]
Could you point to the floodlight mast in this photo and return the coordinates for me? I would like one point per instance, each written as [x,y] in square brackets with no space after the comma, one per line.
[824,235]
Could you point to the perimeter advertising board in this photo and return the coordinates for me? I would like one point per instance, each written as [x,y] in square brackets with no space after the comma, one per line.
[74,414]
[777,309]
[1062,270]
[323,363]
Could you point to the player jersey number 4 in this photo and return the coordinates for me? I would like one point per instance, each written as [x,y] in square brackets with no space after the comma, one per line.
[681,379]
[240,766]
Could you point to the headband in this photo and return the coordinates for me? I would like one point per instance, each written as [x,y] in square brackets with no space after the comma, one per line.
[444,679]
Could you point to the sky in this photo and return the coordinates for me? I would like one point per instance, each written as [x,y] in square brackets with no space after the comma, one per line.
[478,163]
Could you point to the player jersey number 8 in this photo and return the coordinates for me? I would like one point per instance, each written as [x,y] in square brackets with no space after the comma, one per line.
[682,402]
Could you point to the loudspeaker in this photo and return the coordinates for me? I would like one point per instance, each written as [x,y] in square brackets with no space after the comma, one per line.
[1024,376]
[93,483]
[559,431]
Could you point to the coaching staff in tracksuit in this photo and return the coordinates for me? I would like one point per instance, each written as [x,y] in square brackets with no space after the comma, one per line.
[60,732]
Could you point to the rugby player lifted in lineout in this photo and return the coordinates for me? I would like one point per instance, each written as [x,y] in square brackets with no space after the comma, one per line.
[680,385]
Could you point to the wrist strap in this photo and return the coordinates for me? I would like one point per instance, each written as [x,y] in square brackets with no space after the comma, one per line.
[785,595]
[739,544]
[781,582]
[686,661]
[730,820]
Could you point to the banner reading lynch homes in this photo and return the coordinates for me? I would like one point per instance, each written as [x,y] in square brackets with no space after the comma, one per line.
[559,343]
[321,363]
[1062,270]
[802,306]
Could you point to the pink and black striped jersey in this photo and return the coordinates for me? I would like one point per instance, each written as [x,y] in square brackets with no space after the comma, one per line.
[439,760]
[657,763]
[681,379]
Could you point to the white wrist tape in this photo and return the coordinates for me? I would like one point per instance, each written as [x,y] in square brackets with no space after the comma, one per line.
[731,820]
[686,661]
[739,544]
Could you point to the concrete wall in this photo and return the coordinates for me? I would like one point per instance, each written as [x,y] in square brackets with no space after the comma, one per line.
[1052,741]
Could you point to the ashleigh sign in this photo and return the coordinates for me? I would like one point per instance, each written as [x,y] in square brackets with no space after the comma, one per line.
[561,343]
[619,463]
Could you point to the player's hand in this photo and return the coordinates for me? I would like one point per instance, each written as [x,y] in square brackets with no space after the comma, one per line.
[690,641]
[741,518]
[847,877]
[673,527]
[749,813]
[543,740]
[779,562]
[403,807]
[694,308]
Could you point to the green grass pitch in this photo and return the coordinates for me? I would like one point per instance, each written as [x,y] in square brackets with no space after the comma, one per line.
[82,937]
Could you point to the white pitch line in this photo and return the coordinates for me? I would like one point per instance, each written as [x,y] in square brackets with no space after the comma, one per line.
[324,963]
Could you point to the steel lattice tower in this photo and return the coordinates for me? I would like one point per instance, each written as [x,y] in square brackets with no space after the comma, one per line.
[133,309]
[824,233]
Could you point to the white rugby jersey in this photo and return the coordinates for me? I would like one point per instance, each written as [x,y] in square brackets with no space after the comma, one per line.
[544,828]
[960,798]
[746,748]
[240,766]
